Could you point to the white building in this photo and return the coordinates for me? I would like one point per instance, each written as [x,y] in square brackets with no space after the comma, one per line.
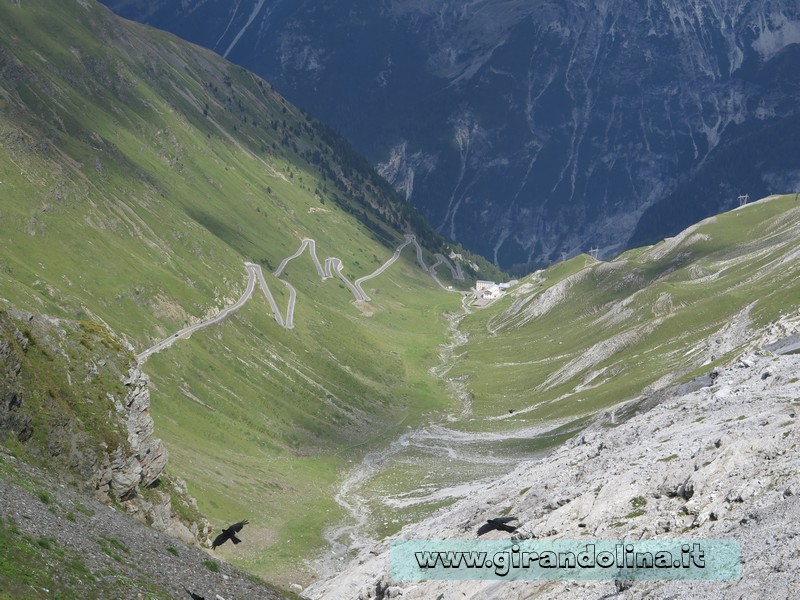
[482,285]
[490,293]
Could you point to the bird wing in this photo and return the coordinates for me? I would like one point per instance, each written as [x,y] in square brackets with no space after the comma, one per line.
[502,519]
[498,523]
[237,527]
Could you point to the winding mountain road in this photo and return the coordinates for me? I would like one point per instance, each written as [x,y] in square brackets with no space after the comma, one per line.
[265,288]
[456,271]
[252,270]
[332,265]
[304,243]
[384,266]
[337,266]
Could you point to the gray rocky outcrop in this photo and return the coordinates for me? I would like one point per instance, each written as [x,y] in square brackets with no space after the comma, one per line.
[93,422]
[124,469]
[121,472]
[12,419]
[150,452]
[713,462]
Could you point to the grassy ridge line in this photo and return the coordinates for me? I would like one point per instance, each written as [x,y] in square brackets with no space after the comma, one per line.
[585,335]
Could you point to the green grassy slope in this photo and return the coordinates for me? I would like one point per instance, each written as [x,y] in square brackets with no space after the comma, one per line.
[138,174]
[585,335]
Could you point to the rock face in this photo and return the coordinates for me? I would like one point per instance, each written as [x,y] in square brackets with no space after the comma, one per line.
[64,398]
[719,462]
[124,470]
[11,418]
[525,129]
[150,453]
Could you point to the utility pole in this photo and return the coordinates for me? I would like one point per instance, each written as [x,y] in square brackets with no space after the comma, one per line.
[743,199]
[593,252]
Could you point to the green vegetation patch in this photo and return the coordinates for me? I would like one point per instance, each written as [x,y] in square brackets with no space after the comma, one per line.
[583,336]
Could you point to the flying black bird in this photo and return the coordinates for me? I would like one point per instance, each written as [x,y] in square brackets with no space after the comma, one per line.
[499,523]
[195,596]
[229,534]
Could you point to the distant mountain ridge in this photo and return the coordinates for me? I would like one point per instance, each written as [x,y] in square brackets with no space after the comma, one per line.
[533,130]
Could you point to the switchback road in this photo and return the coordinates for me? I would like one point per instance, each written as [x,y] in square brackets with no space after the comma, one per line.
[332,265]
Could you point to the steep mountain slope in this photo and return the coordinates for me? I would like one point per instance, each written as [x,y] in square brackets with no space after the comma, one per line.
[139,175]
[146,183]
[532,129]
[586,335]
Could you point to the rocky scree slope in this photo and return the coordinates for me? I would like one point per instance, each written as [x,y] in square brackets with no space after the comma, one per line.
[713,459]
[75,402]
[60,543]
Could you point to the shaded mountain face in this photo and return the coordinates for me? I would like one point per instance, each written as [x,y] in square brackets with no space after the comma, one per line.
[530,130]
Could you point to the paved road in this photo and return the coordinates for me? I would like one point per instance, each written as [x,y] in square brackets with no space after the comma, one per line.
[332,265]
[290,308]
[254,273]
[187,331]
[337,266]
[432,271]
[305,243]
[386,265]
[265,288]
[456,271]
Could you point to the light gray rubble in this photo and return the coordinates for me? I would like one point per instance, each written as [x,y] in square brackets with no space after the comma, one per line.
[718,462]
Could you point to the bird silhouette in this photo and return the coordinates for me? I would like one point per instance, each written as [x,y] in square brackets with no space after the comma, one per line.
[195,596]
[498,523]
[229,534]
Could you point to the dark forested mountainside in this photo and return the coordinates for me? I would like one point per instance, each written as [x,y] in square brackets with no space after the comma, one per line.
[529,130]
